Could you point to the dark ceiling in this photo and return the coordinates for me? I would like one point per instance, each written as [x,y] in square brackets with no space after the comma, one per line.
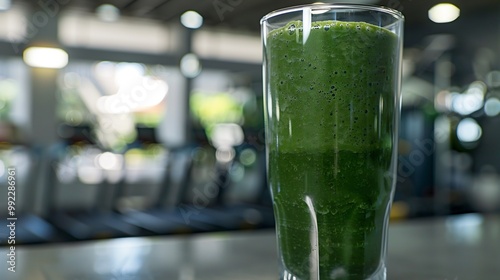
[245,14]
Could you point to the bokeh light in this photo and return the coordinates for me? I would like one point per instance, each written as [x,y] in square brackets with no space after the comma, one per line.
[468,130]
[192,20]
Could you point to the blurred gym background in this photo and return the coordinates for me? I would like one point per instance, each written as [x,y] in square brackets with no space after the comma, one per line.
[144,117]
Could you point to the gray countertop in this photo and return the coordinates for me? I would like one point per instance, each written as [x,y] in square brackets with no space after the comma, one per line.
[453,248]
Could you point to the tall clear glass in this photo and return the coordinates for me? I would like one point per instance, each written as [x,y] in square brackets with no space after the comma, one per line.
[332,76]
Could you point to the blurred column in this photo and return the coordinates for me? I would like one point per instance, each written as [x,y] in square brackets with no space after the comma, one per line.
[42,28]
[42,23]
[442,81]
[175,128]
[43,107]
[186,48]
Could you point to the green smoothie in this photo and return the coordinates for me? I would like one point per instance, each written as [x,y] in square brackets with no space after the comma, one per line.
[333,104]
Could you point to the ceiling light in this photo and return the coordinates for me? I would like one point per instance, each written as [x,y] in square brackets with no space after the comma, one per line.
[108,13]
[45,57]
[192,19]
[443,13]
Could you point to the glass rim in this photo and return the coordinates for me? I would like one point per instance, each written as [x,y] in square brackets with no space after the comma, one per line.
[395,13]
